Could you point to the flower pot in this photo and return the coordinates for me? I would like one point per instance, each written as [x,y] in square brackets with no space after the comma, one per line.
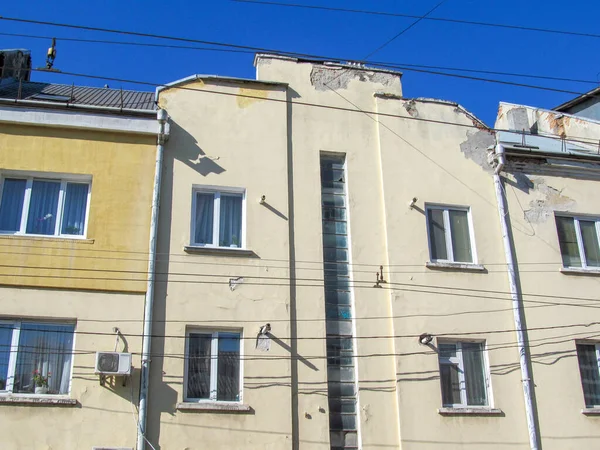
[41,389]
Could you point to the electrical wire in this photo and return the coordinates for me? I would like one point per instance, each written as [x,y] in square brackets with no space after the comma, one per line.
[320,338]
[438,19]
[251,52]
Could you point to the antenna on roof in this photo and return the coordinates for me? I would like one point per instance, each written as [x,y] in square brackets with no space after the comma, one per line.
[51,55]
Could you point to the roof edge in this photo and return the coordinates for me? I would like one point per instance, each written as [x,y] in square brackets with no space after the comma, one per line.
[553,111]
[324,62]
[577,100]
[195,77]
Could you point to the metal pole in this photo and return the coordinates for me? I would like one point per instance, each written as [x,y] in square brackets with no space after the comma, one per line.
[149,300]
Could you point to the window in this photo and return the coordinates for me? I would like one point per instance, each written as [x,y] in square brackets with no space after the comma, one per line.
[35,358]
[463,374]
[578,239]
[41,206]
[589,368]
[213,366]
[450,236]
[217,218]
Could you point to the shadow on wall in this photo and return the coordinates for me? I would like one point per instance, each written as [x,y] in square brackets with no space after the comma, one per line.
[185,148]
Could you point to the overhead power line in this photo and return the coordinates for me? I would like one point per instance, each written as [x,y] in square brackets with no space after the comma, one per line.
[411,16]
[403,65]
[578,139]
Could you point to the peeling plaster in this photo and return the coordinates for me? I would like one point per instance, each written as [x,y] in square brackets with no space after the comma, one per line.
[326,78]
[411,108]
[548,200]
[475,148]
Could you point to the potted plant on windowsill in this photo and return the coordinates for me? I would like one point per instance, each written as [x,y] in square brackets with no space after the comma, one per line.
[234,242]
[41,382]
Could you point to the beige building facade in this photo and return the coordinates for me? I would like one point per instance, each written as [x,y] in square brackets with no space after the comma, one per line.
[337,273]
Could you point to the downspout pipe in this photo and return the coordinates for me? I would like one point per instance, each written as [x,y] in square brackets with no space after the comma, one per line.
[515,295]
[162,118]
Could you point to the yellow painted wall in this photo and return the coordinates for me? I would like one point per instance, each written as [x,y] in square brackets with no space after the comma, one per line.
[122,171]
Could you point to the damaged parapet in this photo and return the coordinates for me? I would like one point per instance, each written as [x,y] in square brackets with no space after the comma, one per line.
[15,65]
[324,75]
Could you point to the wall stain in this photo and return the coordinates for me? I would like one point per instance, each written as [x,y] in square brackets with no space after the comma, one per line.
[253,96]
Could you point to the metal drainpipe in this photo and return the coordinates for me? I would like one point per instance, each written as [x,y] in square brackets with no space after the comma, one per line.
[515,294]
[162,118]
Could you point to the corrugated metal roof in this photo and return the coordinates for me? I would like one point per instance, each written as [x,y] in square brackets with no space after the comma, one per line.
[78,95]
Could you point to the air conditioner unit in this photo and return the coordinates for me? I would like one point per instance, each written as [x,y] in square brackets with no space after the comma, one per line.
[113,363]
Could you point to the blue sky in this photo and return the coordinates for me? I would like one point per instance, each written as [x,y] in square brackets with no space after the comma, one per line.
[343,35]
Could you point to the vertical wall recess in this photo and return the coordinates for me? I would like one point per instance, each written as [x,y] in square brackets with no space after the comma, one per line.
[338,306]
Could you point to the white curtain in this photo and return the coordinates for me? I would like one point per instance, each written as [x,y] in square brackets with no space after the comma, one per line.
[42,207]
[198,376]
[204,218]
[74,210]
[230,223]
[11,205]
[48,350]
[474,373]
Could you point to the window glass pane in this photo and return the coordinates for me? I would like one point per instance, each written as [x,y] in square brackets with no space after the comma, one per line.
[590,374]
[474,373]
[228,378]
[590,242]
[42,207]
[334,227]
[567,238]
[450,384]
[334,200]
[459,232]
[74,210]
[5,344]
[337,297]
[330,213]
[447,350]
[205,204]
[230,224]
[198,376]
[336,255]
[11,204]
[332,240]
[437,235]
[342,421]
[44,358]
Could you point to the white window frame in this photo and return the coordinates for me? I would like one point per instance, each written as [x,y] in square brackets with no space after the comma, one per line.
[597,348]
[582,256]
[14,350]
[29,177]
[214,361]
[217,191]
[448,232]
[458,361]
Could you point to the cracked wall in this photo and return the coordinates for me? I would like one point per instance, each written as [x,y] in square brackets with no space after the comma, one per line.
[476,146]
[324,78]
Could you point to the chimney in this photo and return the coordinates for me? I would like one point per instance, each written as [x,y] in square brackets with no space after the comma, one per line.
[15,65]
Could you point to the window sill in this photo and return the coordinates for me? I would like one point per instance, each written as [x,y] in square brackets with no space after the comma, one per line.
[220,251]
[470,412]
[447,265]
[37,237]
[37,400]
[590,411]
[579,271]
[215,407]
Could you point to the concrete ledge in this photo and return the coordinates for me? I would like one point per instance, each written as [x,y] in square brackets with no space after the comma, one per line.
[25,237]
[36,401]
[577,271]
[220,251]
[470,412]
[215,407]
[591,411]
[455,266]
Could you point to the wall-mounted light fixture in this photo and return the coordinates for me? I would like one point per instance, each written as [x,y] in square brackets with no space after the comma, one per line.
[425,339]
[412,203]
[263,199]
